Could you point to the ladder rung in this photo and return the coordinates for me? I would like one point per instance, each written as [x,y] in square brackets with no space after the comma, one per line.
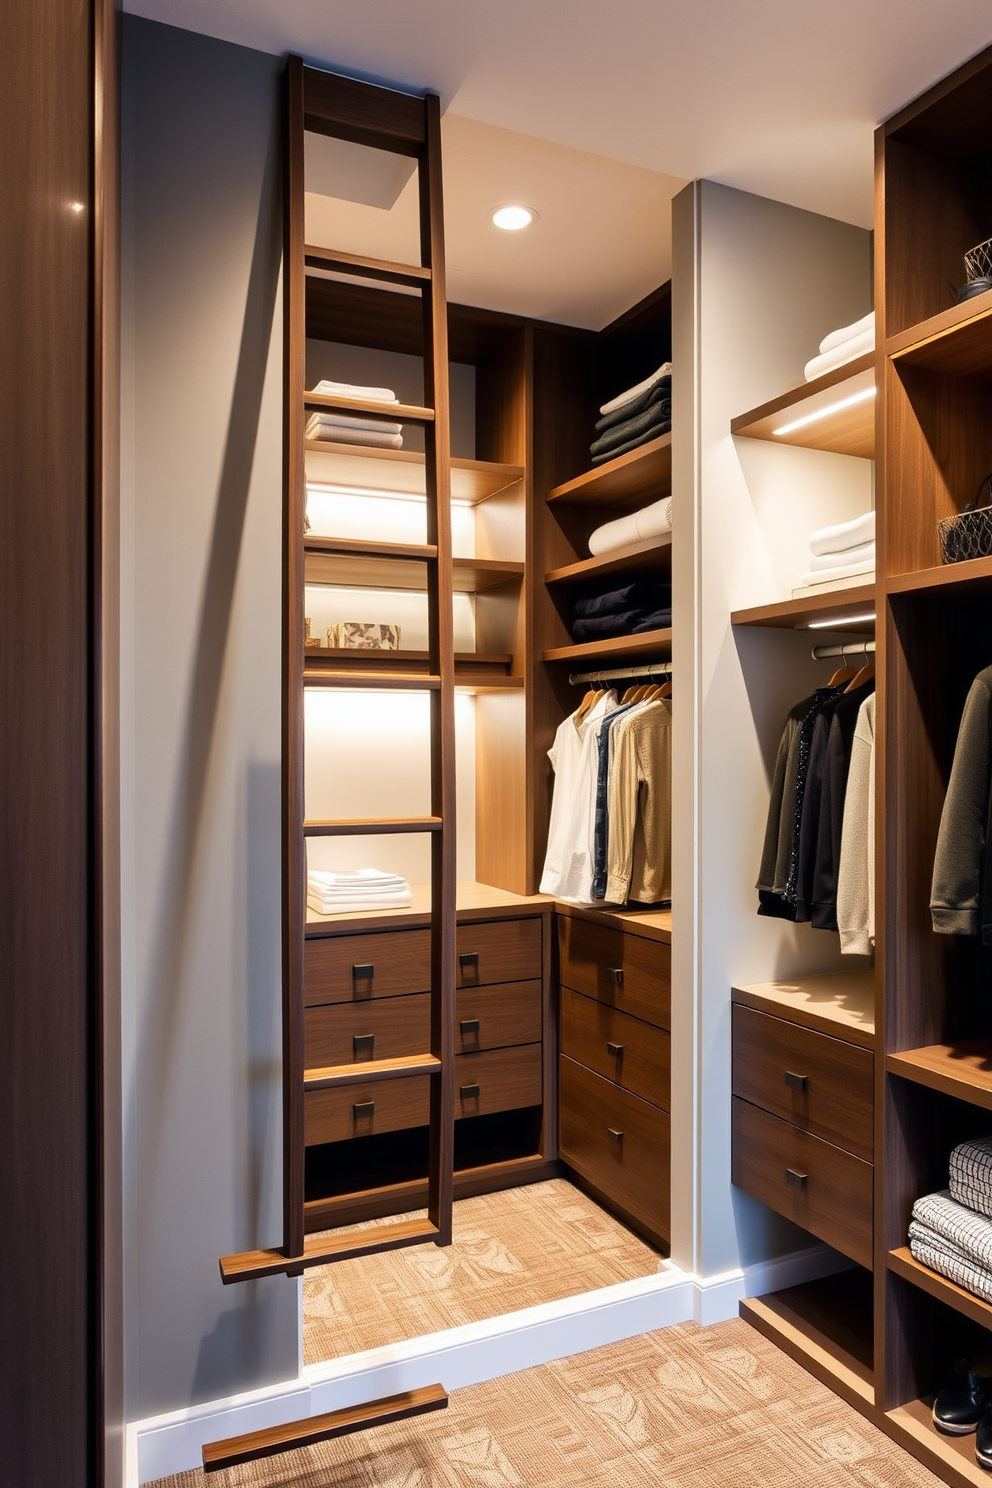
[286,1438]
[371,826]
[249,1265]
[409,413]
[367,268]
[353,547]
[400,681]
[371,1070]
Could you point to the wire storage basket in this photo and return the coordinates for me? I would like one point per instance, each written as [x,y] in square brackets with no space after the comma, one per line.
[978,261]
[968,535]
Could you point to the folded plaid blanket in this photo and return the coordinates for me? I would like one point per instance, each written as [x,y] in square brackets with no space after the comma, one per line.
[971,1174]
[939,1219]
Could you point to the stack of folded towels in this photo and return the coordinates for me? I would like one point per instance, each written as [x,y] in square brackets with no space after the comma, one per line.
[843,346]
[951,1231]
[350,893]
[632,418]
[841,552]
[628,610]
[345,429]
[651,521]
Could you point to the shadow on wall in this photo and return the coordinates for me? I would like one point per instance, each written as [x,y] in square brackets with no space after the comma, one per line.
[246,1332]
[262,1155]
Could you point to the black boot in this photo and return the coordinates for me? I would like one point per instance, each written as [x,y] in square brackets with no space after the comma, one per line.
[961,1405]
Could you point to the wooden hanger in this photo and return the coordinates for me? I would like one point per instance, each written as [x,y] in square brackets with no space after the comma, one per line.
[841,675]
[628,696]
[664,691]
[589,702]
[866,673]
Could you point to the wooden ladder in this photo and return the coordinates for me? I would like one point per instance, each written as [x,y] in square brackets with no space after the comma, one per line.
[408,125]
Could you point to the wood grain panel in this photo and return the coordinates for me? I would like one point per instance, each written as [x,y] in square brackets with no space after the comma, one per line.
[395,1025]
[336,967]
[381,118]
[617,1141]
[505,1015]
[832,1082]
[627,972]
[497,1080]
[815,1184]
[626,1050]
[501,951]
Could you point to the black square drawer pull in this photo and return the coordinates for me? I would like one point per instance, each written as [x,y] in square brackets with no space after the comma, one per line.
[363,1108]
[469,1025]
[363,973]
[615,1049]
[468,960]
[363,1043]
[798,1180]
[616,972]
[468,1091]
[616,1135]
[796,1082]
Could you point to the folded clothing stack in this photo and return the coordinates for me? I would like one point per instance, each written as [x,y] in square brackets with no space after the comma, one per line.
[651,521]
[951,1231]
[632,418]
[841,552]
[350,893]
[843,346]
[630,609]
[345,429]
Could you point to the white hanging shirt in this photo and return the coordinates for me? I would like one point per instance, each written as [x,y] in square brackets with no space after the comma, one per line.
[568,864]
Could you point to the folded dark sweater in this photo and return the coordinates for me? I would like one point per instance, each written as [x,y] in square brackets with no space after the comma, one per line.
[657,620]
[631,428]
[660,390]
[603,627]
[632,444]
[643,594]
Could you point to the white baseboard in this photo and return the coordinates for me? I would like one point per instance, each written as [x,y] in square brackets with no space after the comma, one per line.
[162,1445]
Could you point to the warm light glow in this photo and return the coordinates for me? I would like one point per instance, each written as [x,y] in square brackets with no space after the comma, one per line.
[77,207]
[841,620]
[822,413]
[512,219]
[324,488]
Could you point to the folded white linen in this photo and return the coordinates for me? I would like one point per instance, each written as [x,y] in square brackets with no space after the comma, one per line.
[650,521]
[351,390]
[399,900]
[844,535]
[356,436]
[346,421]
[848,333]
[359,877]
[835,560]
[844,571]
[846,352]
[622,399]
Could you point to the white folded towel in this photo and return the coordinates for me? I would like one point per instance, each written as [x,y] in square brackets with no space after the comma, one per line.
[842,571]
[351,390]
[650,521]
[399,900]
[665,370]
[844,535]
[860,554]
[355,436]
[848,333]
[361,878]
[347,421]
[846,352]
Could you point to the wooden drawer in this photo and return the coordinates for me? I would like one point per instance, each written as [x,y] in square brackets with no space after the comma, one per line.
[817,1082]
[632,1053]
[618,1142]
[496,1017]
[499,951]
[355,968]
[497,1080]
[627,972]
[815,1184]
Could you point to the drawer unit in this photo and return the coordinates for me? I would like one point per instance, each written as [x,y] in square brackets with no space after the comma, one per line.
[631,1053]
[618,1142]
[814,1183]
[496,1017]
[355,968]
[819,1083]
[498,951]
[496,1080]
[627,972]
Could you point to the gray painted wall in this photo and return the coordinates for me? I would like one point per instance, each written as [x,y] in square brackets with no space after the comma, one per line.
[201,502]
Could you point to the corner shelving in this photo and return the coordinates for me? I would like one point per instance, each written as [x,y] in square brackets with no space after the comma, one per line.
[652,553]
[618,648]
[846,609]
[644,472]
[835,413]
[962,1070]
[957,341]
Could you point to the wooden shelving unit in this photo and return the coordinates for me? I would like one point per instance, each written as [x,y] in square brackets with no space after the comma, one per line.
[957,341]
[847,610]
[841,1004]
[962,1070]
[351,564]
[973,573]
[827,1327]
[952,1457]
[653,555]
[618,648]
[644,474]
[902,1262]
[402,472]
[835,413]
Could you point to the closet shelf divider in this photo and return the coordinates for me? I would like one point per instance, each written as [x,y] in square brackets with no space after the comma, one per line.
[847,608]
[643,474]
[402,471]
[972,573]
[957,341]
[825,410]
[409,413]
[650,553]
[617,647]
[370,1070]
[904,1264]
[962,1070]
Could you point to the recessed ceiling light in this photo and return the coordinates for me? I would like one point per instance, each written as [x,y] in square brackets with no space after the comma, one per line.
[512,219]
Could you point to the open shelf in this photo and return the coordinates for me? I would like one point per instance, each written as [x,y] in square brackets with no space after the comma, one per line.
[973,573]
[471,899]
[653,553]
[618,648]
[955,1455]
[962,1070]
[826,1326]
[841,1004]
[345,658]
[957,340]
[903,1263]
[401,472]
[346,564]
[835,413]
[641,474]
[845,609]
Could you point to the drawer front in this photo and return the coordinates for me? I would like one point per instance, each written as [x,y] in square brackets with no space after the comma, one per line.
[817,1082]
[355,968]
[817,1185]
[618,1141]
[497,1080]
[626,1050]
[381,1028]
[498,951]
[496,1017]
[627,972]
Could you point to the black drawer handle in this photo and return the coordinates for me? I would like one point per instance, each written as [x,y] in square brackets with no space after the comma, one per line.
[363,1043]
[798,1180]
[616,1135]
[363,1108]
[469,1025]
[363,973]
[796,1082]
[469,1092]
[468,960]
[616,972]
[615,1050]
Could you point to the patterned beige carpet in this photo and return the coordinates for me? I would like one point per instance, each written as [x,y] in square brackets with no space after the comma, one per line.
[686,1407]
[510,1250]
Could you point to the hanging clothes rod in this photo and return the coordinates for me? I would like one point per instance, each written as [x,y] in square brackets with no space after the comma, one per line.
[856,648]
[659,669]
